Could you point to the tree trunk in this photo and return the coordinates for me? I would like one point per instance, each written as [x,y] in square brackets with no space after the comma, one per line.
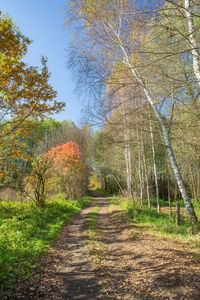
[192,39]
[168,191]
[128,165]
[140,169]
[127,154]
[154,164]
[146,175]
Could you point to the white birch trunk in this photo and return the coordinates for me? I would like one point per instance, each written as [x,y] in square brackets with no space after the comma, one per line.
[140,171]
[142,178]
[127,154]
[146,175]
[192,38]
[129,169]
[154,164]
[168,190]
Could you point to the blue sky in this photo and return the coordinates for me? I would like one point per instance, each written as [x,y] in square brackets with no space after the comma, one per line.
[43,22]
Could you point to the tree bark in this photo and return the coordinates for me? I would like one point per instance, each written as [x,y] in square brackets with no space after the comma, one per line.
[192,39]
[127,154]
[140,168]
[154,164]
[168,190]
[146,175]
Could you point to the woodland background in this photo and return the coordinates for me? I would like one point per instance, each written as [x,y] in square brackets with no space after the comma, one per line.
[138,61]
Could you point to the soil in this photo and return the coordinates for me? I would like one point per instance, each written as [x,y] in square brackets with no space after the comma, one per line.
[132,264]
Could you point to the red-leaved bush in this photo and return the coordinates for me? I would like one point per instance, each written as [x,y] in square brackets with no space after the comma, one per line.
[66,156]
[67,164]
[59,170]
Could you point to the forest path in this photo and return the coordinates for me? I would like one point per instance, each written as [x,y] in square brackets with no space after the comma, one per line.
[126,263]
[67,270]
[138,264]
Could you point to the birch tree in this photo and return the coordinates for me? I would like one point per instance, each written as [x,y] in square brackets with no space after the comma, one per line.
[154,163]
[187,7]
[114,34]
[127,152]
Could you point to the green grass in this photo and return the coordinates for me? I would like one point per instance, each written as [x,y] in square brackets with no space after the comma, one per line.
[163,223]
[27,232]
[164,202]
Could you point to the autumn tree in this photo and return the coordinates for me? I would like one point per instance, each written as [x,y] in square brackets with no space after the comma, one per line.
[38,184]
[25,94]
[71,170]
[58,170]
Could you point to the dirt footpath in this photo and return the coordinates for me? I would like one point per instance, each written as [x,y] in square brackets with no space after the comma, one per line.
[67,270]
[139,265]
[133,264]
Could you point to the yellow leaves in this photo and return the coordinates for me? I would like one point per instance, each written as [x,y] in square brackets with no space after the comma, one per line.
[5,96]
[25,92]
[108,53]
[13,59]
[18,131]
[156,101]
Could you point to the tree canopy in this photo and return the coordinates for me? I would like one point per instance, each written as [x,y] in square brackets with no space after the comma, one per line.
[25,92]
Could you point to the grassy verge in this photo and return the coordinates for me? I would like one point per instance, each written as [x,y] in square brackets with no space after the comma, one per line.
[164,203]
[27,232]
[161,223]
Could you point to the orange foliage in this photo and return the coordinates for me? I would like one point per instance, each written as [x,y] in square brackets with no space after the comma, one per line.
[66,156]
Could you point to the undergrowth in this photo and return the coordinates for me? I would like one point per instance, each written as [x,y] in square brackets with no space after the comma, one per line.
[159,222]
[164,203]
[26,232]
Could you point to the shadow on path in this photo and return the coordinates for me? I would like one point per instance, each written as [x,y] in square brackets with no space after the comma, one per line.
[67,270]
[135,265]
[139,265]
